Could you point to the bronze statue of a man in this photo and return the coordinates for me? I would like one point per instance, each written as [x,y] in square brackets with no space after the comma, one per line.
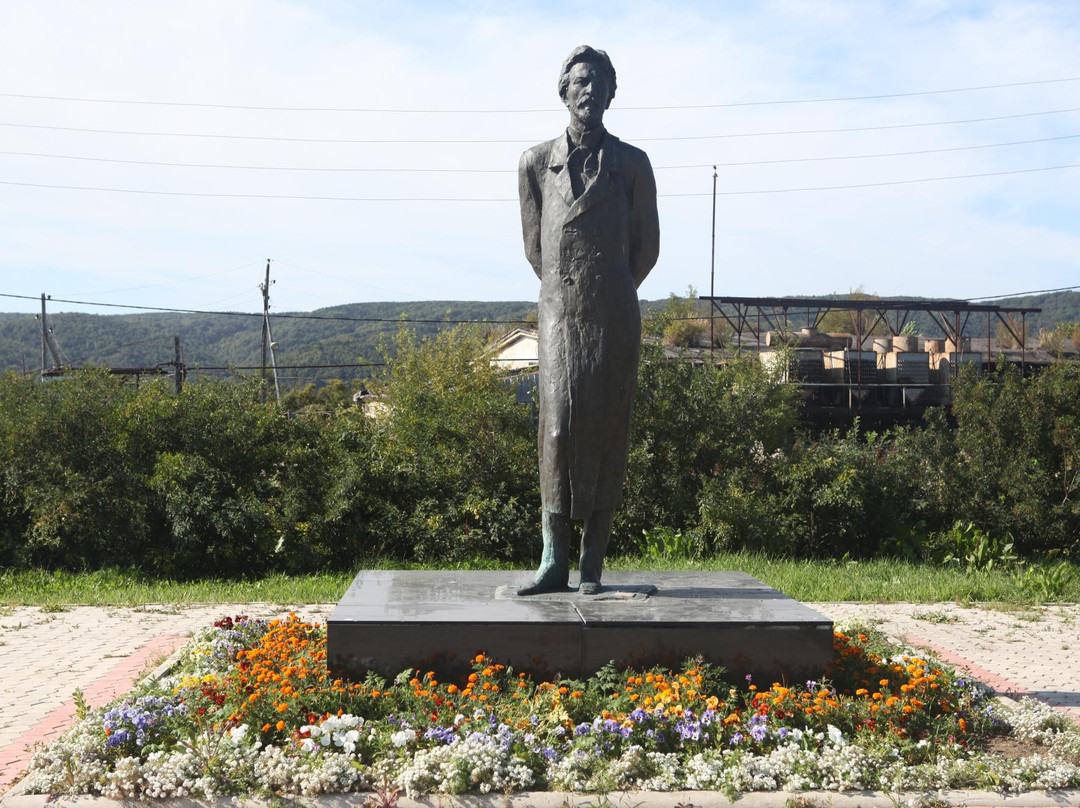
[589,220]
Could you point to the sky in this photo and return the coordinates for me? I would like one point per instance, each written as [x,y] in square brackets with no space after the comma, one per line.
[156,154]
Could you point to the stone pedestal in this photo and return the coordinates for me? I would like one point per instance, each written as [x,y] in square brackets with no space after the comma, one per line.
[389,620]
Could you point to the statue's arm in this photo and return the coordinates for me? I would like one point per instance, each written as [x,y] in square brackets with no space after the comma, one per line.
[531,199]
[644,221]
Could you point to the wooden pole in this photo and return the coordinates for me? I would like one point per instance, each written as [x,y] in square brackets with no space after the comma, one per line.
[712,274]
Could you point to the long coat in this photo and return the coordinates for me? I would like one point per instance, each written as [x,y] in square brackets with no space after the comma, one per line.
[591,254]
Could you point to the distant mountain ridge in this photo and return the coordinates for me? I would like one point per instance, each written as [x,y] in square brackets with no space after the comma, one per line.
[339,335]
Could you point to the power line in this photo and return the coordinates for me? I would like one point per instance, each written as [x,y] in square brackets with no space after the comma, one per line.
[1023,294]
[446,321]
[869,156]
[307,198]
[443,141]
[254,196]
[399,170]
[863,128]
[879,185]
[292,367]
[727,105]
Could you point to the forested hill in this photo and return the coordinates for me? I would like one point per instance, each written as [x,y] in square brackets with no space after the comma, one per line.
[340,335]
[1057,307]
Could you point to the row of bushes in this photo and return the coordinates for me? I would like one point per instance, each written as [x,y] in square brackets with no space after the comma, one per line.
[95,472]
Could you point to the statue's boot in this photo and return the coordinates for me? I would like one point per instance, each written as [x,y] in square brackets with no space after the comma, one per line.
[594,542]
[554,572]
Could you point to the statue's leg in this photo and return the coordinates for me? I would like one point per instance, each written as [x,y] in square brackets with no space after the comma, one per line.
[594,542]
[554,572]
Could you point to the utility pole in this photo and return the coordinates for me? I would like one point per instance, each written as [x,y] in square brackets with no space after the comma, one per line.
[267,339]
[265,288]
[48,346]
[273,361]
[712,273]
[178,365]
[44,340]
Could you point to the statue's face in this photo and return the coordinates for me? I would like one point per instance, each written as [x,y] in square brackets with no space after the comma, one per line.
[587,95]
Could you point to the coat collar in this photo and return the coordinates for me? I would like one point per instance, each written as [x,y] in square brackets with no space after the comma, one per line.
[609,164]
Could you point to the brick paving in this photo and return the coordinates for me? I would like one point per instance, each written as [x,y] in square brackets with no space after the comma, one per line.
[45,656]
[1017,651]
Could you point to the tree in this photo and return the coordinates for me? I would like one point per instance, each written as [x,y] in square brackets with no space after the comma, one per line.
[694,423]
[851,322]
[683,322]
[462,448]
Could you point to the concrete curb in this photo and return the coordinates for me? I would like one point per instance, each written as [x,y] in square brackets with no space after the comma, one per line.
[614,799]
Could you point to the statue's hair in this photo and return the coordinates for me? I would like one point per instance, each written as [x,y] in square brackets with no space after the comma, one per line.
[597,58]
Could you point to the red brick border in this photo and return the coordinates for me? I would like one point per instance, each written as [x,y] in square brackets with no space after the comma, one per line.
[1000,684]
[115,681]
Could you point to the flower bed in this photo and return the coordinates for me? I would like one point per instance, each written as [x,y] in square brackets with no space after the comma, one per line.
[251,709]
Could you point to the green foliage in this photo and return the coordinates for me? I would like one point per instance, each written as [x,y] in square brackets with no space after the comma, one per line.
[1062,338]
[683,322]
[1044,583]
[98,473]
[664,544]
[843,494]
[1017,461]
[313,399]
[852,322]
[909,329]
[467,449]
[693,424]
[975,550]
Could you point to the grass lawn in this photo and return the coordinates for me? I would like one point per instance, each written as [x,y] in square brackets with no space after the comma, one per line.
[884,580]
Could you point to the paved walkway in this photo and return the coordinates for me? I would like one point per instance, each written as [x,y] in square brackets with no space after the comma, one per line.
[45,656]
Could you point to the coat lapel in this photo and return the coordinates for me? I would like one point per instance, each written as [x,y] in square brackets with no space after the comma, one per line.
[557,172]
[604,182]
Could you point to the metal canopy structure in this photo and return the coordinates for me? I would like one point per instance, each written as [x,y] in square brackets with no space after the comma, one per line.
[754,316]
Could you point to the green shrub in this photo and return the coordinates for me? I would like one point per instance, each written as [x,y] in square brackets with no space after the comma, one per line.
[96,472]
[1017,464]
[460,451]
[692,425]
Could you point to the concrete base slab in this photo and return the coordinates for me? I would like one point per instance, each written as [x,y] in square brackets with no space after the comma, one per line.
[390,620]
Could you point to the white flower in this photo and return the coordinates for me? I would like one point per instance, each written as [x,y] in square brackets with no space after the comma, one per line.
[836,737]
[347,740]
[402,737]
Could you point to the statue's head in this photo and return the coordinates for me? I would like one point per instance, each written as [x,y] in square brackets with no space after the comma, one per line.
[587,85]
